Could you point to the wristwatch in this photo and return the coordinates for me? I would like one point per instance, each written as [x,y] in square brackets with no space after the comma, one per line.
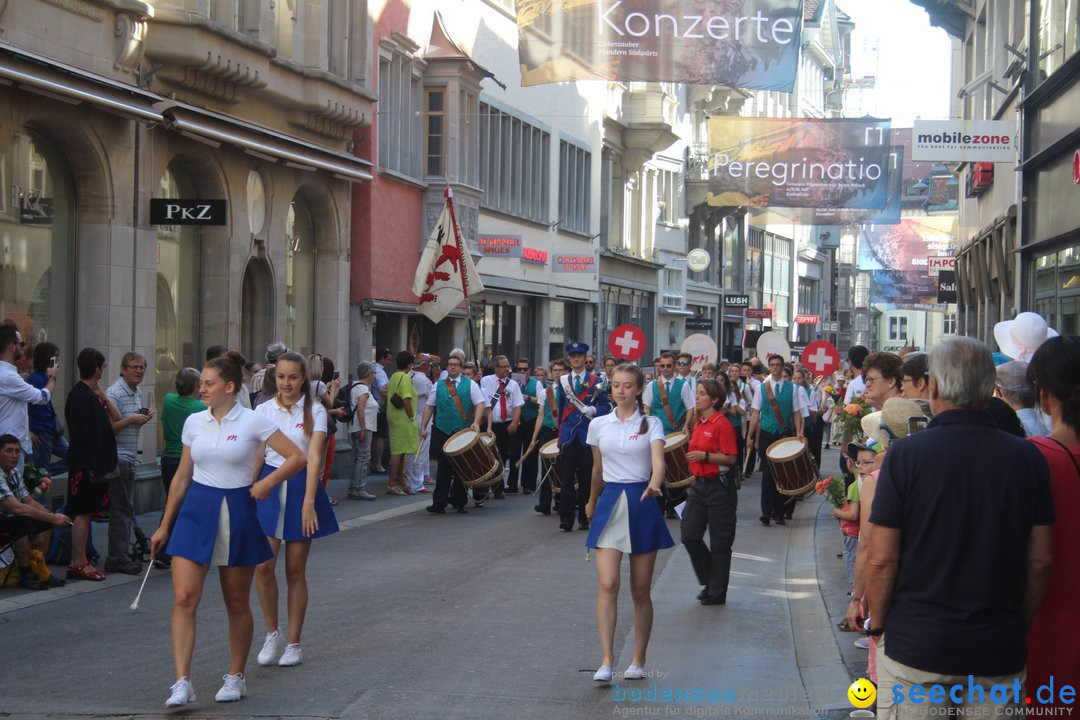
[872,632]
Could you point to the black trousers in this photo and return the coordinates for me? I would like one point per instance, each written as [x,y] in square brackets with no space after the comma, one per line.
[519,442]
[753,457]
[545,435]
[502,444]
[772,502]
[711,504]
[449,489]
[575,462]
[814,433]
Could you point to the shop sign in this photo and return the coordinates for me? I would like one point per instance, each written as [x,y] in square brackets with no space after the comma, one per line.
[178,211]
[508,246]
[935,265]
[697,260]
[759,313]
[737,301]
[807,319]
[699,323]
[34,209]
[575,264]
[532,256]
[946,286]
[964,141]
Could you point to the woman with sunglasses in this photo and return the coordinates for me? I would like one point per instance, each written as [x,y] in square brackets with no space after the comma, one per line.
[712,498]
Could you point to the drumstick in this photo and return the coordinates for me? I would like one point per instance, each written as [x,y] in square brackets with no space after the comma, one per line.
[517,463]
[135,605]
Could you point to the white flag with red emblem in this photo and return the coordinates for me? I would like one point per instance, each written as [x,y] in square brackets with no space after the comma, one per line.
[446,275]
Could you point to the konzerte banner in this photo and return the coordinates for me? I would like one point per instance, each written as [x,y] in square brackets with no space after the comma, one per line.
[738,43]
[801,163]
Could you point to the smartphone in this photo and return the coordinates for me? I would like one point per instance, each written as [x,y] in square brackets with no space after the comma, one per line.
[916,423]
[337,375]
[54,361]
[144,411]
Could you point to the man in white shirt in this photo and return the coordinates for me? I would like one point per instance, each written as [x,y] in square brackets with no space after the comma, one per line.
[127,397]
[504,401]
[677,392]
[15,392]
[777,407]
[857,386]
[417,466]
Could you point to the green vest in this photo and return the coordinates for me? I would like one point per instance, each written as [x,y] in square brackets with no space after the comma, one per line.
[678,410]
[447,417]
[530,410]
[769,422]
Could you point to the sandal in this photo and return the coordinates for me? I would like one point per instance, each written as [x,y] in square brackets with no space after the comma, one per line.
[85,571]
[844,627]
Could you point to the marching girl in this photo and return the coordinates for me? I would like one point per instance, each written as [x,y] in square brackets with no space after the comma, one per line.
[298,509]
[628,465]
[210,518]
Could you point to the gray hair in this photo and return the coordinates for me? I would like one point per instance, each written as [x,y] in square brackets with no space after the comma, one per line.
[964,370]
[187,379]
[314,367]
[458,353]
[364,369]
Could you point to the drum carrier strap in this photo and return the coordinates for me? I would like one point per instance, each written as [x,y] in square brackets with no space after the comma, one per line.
[667,403]
[775,406]
[457,401]
[553,408]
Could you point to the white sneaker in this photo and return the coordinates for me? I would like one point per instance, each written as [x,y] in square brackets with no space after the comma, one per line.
[291,656]
[232,690]
[182,693]
[634,672]
[603,675]
[271,648]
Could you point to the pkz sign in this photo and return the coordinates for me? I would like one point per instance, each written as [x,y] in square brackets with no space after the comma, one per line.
[169,211]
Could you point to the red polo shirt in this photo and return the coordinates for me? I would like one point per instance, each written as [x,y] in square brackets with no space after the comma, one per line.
[714,435]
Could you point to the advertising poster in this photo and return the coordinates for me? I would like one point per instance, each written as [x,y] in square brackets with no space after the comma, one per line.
[737,43]
[799,163]
[898,256]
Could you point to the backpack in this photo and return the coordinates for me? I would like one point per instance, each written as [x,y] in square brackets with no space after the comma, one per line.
[343,400]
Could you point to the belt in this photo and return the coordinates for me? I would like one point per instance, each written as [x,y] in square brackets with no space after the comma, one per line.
[722,478]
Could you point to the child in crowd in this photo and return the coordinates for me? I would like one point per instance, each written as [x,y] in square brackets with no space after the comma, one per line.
[863,460]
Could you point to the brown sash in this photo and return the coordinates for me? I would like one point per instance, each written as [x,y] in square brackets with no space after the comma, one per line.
[553,408]
[775,405]
[664,399]
[457,401]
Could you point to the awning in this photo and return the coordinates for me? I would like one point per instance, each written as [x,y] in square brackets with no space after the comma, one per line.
[390,306]
[70,84]
[263,142]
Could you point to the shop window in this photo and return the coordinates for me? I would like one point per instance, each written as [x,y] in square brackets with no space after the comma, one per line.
[256,308]
[177,308]
[898,328]
[299,279]
[401,105]
[37,226]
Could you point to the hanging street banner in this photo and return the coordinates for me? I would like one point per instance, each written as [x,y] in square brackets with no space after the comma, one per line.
[737,43]
[946,286]
[799,162]
[900,256]
[965,141]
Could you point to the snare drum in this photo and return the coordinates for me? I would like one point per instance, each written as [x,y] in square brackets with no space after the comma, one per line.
[549,454]
[793,467]
[677,473]
[472,458]
[488,438]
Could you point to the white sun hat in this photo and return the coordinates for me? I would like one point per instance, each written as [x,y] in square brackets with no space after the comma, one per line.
[1020,338]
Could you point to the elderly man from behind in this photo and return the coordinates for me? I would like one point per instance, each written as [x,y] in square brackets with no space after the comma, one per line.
[1013,387]
[961,553]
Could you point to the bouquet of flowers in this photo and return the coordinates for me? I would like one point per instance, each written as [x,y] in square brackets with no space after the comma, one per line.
[848,418]
[833,393]
[36,480]
[832,488]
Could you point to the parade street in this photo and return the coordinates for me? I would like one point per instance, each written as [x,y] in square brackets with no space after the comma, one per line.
[486,615]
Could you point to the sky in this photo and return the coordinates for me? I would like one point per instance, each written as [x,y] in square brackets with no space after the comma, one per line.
[914,62]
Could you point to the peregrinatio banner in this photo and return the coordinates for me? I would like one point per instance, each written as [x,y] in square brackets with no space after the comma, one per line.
[738,43]
[799,163]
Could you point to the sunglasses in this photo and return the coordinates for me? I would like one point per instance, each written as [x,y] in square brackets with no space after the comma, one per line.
[682,363]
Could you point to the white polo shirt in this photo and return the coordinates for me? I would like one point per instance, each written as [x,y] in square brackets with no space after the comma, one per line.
[625,453]
[291,422]
[686,393]
[226,454]
[799,402]
[514,399]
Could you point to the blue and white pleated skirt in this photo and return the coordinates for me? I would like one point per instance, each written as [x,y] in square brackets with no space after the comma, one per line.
[281,513]
[624,522]
[216,526]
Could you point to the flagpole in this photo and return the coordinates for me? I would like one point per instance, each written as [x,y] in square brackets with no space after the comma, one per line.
[449,195]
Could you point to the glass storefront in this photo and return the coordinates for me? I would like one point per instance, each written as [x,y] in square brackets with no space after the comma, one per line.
[1057,289]
[1058,27]
[37,231]
[299,279]
[179,257]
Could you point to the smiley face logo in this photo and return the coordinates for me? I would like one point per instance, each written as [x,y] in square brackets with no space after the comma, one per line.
[862,693]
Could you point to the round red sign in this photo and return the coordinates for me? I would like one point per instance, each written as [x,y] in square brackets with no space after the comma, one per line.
[821,357]
[627,342]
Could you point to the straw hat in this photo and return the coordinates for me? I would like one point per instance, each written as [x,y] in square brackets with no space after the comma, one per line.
[891,422]
[1020,338]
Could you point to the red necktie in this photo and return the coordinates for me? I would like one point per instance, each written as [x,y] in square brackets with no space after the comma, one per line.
[502,399]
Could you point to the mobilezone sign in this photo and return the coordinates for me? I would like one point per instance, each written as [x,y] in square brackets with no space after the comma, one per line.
[964,141]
